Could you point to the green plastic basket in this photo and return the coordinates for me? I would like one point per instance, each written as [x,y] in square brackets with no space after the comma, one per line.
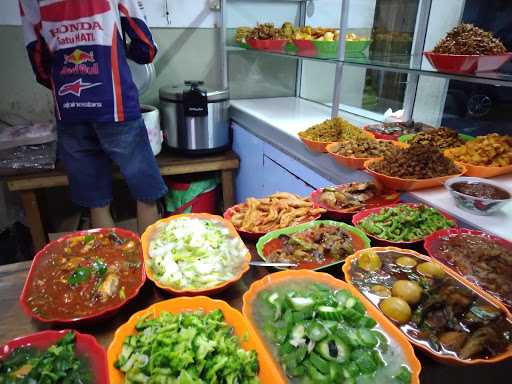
[406,138]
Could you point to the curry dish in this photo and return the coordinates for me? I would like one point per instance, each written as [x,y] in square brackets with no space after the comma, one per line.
[85,275]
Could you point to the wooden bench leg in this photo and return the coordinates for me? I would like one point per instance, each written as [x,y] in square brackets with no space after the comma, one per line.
[33,215]
[228,188]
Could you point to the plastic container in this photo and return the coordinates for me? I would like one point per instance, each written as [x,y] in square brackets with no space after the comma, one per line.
[476,205]
[323,278]
[409,184]
[269,372]
[191,197]
[148,234]
[466,64]
[268,45]
[358,237]
[443,358]
[43,255]
[86,347]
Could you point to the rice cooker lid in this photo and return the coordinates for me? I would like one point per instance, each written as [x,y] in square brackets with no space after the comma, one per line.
[175,92]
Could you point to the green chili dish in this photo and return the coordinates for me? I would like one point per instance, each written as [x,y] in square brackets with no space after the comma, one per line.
[323,335]
[402,222]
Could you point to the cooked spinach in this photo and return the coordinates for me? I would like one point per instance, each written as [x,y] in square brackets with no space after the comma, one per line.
[59,364]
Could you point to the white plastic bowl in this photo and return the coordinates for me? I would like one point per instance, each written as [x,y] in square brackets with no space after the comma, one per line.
[476,205]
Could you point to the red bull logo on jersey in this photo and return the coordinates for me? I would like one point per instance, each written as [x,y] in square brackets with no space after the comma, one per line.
[79,59]
[76,87]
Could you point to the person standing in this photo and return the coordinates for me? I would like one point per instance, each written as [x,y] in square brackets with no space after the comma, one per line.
[78,50]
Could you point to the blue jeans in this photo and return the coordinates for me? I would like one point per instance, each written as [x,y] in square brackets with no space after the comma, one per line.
[87,151]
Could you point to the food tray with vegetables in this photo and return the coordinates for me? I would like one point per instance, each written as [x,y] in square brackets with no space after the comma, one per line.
[53,356]
[345,200]
[256,217]
[321,330]
[479,257]
[401,223]
[315,245]
[441,313]
[189,340]
[194,254]
[84,276]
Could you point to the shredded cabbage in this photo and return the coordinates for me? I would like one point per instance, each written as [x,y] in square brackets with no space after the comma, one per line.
[193,253]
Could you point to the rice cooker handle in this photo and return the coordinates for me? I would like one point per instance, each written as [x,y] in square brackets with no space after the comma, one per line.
[194,84]
[195,100]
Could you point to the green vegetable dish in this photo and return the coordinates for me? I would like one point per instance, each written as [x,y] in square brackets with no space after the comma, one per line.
[321,335]
[57,364]
[404,222]
[186,348]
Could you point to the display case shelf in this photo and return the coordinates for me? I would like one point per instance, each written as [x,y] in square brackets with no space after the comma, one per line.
[411,64]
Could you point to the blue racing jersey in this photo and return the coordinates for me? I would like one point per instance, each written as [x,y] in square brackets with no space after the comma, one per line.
[77,49]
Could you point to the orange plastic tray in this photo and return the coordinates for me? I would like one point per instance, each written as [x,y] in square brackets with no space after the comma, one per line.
[148,235]
[269,371]
[303,274]
[355,162]
[409,184]
[485,172]
[321,146]
[484,295]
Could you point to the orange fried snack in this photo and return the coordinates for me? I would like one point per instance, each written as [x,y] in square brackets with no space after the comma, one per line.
[276,211]
[491,150]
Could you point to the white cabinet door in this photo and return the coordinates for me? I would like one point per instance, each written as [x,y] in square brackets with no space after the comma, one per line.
[249,178]
[279,179]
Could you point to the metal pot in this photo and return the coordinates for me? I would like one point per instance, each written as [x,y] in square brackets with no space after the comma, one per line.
[195,118]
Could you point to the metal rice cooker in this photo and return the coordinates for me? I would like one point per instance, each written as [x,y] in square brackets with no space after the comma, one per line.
[195,118]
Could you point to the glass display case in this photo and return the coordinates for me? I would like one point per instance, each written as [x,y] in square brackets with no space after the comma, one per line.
[380,63]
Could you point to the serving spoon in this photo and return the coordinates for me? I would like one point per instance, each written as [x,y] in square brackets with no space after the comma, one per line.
[269,264]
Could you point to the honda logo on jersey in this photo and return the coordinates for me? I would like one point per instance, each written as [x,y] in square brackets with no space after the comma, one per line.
[76,27]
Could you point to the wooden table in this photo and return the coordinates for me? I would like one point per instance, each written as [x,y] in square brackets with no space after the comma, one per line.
[169,164]
[13,323]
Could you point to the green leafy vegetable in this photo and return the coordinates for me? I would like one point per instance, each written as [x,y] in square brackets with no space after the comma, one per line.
[80,275]
[188,347]
[58,364]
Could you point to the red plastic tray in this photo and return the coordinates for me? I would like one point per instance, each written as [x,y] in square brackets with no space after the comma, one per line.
[466,64]
[86,346]
[40,257]
[358,217]
[432,243]
[387,197]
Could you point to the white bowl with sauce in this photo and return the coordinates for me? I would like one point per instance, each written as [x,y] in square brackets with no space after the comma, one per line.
[485,200]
